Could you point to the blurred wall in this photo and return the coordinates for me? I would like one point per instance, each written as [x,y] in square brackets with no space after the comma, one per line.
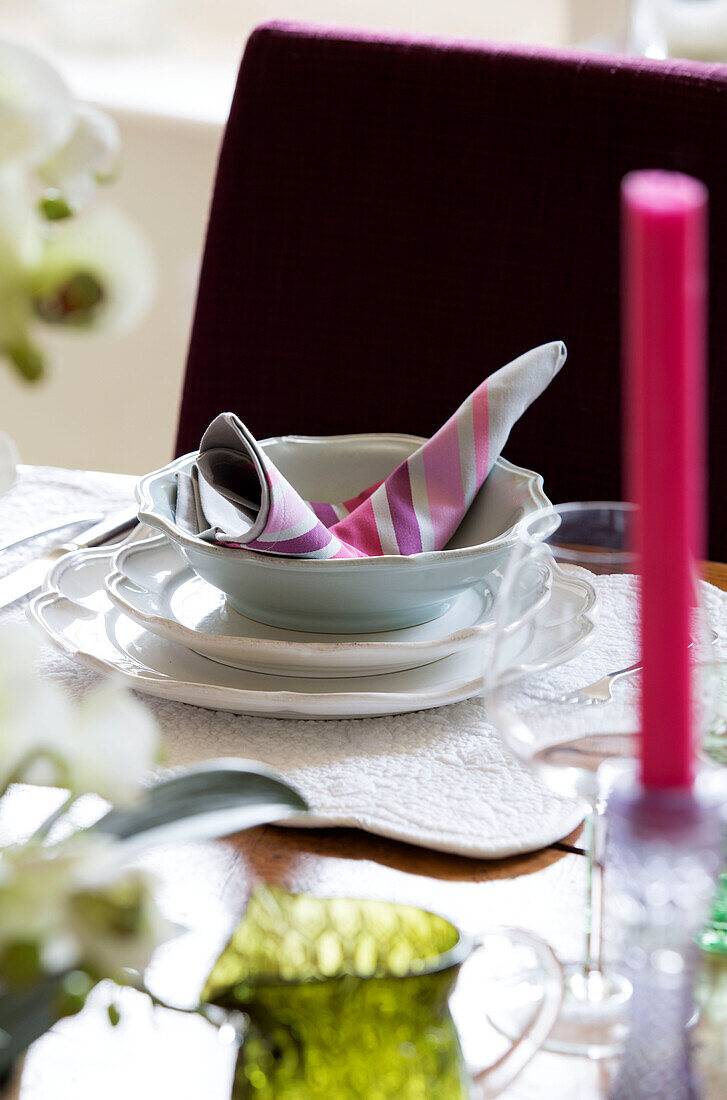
[544,21]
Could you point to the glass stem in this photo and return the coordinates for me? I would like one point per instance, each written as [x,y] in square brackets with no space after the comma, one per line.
[595,837]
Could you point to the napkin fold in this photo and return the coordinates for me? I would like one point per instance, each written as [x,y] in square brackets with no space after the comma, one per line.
[235,495]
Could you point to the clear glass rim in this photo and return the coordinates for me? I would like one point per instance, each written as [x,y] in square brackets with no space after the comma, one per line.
[526,527]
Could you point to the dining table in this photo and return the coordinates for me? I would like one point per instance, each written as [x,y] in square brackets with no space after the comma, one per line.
[204,887]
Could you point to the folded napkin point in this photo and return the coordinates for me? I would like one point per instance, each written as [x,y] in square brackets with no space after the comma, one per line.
[242,499]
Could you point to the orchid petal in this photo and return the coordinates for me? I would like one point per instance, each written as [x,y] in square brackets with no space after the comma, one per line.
[36,107]
[104,247]
[91,155]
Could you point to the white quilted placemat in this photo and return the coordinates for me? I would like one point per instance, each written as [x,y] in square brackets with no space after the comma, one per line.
[437,778]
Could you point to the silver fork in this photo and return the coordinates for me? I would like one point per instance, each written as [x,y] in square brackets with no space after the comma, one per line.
[601,691]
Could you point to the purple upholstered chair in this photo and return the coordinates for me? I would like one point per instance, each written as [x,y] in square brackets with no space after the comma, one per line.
[393,220]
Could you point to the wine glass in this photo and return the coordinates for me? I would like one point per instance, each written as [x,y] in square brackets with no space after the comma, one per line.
[565,734]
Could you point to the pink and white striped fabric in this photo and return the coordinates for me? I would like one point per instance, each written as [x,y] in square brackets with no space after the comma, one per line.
[237,497]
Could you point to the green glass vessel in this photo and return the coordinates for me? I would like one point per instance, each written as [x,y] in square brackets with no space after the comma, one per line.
[345,999]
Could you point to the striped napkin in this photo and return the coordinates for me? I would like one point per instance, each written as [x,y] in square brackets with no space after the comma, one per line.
[235,496]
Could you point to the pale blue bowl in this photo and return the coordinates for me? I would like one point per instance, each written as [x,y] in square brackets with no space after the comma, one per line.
[350,595]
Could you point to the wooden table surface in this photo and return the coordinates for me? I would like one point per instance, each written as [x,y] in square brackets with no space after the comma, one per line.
[205,887]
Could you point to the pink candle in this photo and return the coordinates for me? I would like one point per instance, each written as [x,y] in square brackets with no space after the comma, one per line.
[664,217]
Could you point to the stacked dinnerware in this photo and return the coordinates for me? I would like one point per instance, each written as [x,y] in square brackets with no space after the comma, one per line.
[253,599]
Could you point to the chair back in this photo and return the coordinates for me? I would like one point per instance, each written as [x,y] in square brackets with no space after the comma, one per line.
[394,220]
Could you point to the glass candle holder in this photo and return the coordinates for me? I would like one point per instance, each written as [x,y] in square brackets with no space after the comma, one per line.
[664,852]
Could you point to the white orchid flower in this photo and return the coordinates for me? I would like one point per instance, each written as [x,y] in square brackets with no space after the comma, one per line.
[21,251]
[97,271]
[93,271]
[36,108]
[36,883]
[20,237]
[114,745]
[106,745]
[91,156]
[37,738]
[60,901]
[119,924]
[36,717]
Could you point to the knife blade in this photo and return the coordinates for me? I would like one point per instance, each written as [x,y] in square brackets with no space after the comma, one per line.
[30,577]
[45,529]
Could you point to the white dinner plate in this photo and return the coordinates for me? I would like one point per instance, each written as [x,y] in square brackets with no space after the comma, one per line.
[79,617]
[152,585]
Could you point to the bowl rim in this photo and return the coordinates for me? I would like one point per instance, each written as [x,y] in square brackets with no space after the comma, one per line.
[148,514]
[114,582]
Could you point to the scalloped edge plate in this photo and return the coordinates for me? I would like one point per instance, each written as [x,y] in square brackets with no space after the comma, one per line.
[154,587]
[79,618]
